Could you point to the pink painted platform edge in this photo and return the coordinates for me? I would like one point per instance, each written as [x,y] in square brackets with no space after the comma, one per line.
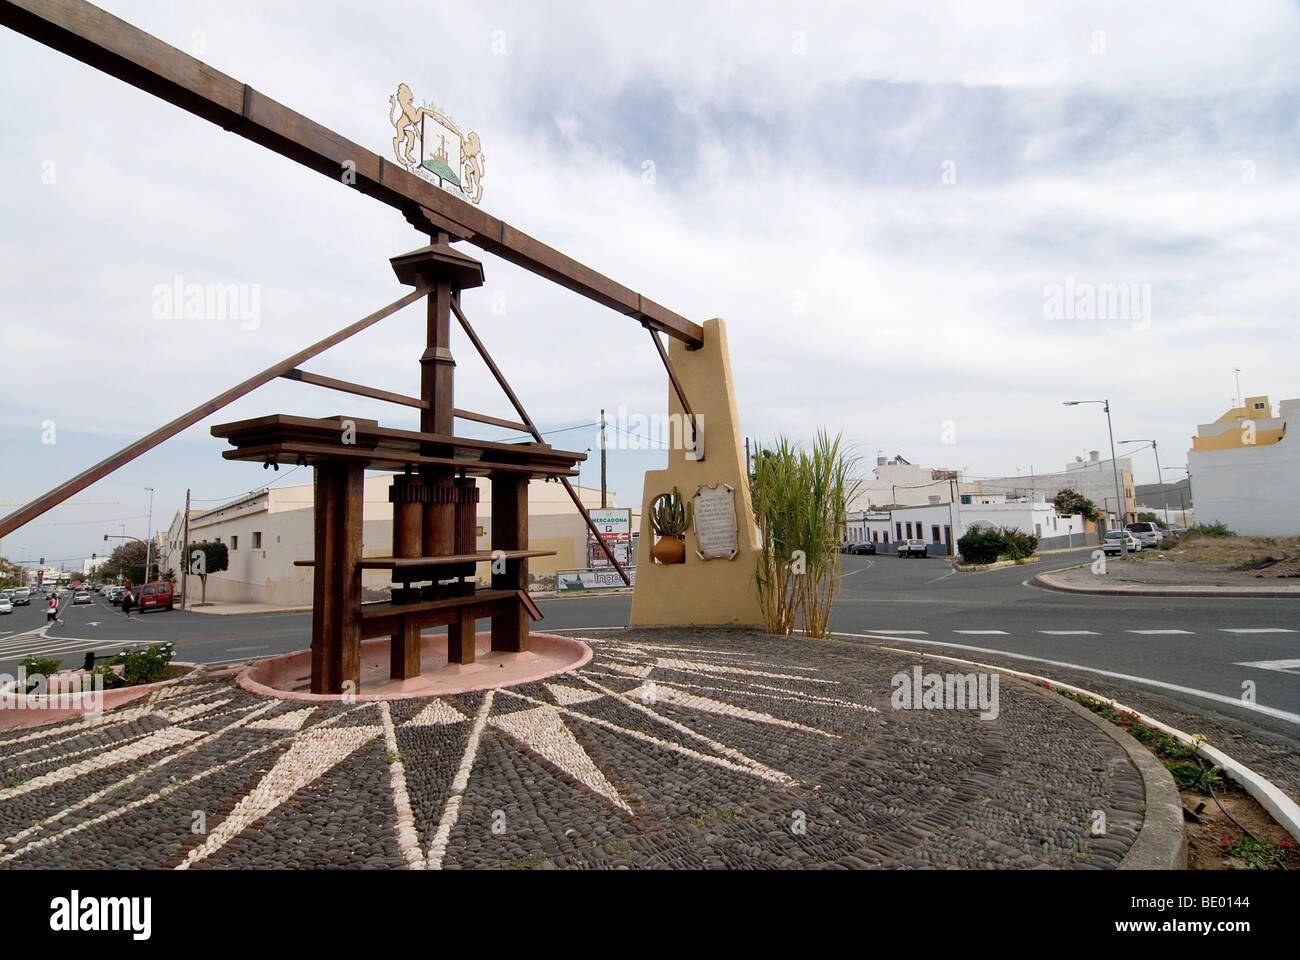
[13,719]
[582,655]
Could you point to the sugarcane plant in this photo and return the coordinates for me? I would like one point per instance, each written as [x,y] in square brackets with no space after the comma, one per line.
[670,516]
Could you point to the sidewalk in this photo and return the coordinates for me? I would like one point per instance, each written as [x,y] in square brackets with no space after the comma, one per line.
[214,608]
[1153,578]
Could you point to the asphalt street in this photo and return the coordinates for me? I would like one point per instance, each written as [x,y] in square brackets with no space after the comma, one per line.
[1197,651]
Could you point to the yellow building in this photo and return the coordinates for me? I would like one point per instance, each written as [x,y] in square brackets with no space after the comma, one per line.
[1250,425]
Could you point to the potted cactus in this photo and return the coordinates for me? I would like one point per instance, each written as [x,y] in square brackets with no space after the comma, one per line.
[670,516]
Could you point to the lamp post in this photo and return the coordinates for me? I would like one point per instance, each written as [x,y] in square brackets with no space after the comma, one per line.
[1160,475]
[1114,464]
[148,550]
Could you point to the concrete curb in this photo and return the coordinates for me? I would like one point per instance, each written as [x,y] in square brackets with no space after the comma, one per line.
[1047,581]
[999,565]
[1279,806]
[247,613]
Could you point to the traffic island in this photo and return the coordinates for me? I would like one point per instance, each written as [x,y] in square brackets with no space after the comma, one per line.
[1155,578]
[670,748]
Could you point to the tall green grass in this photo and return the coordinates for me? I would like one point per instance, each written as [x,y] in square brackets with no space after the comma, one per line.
[801,503]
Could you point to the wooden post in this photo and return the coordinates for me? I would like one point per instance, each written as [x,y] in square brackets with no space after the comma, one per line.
[336,590]
[460,638]
[404,652]
[510,532]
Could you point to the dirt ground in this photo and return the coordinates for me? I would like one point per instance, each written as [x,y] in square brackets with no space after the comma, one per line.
[1205,847]
[1244,558]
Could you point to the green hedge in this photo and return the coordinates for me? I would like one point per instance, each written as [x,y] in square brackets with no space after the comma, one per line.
[982,545]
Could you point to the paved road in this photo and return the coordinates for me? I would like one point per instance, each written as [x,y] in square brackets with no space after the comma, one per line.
[1196,651]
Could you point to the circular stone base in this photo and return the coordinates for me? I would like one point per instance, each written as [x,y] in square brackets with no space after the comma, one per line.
[288,677]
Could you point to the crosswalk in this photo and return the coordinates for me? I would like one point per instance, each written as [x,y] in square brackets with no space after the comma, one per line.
[35,643]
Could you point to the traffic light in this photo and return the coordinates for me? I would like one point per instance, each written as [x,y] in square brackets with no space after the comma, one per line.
[42,561]
[92,556]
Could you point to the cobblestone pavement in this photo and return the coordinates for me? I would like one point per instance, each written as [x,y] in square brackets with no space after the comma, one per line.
[701,748]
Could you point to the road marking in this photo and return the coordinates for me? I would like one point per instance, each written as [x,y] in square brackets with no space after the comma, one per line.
[242,649]
[1255,630]
[1153,633]
[982,633]
[1162,684]
[1282,666]
[924,633]
[1069,633]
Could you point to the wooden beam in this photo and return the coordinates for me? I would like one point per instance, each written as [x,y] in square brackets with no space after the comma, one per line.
[347,386]
[101,40]
[124,456]
[494,421]
[681,394]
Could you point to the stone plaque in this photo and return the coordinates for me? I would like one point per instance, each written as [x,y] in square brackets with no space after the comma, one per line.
[715,521]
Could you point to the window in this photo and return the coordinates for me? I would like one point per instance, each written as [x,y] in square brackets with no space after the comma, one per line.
[934,533]
[898,531]
[234,543]
[257,540]
[875,536]
[1259,406]
[909,529]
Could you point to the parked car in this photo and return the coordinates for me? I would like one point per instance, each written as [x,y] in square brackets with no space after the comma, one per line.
[1118,542]
[22,597]
[156,595]
[115,595]
[859,548]
[912,548]
[82,596]
[1148,534]
[6,605]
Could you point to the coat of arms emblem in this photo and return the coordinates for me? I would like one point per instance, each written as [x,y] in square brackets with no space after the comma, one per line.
[427,142]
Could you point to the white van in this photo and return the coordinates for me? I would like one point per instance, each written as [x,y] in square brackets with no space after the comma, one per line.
[1148,534]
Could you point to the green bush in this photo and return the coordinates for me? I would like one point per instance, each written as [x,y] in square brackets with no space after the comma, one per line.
[144,666]
[1018,545]
[981,545]
[1217,530]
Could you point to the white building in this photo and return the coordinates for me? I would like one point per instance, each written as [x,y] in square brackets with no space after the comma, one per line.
[1252,487]
[1094,478]
[942,525]
[897,482]
[266,531]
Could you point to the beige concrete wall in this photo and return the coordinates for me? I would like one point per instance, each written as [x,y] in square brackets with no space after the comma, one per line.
[701,591]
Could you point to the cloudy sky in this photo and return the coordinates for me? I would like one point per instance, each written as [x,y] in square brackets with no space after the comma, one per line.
[881,199]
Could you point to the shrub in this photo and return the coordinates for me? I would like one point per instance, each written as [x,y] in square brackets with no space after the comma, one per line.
[1018,545]
[981,545]
[1216,530]
[38,666]
[144,666]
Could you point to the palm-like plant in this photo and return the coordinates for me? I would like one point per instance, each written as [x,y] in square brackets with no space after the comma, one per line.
[801,506]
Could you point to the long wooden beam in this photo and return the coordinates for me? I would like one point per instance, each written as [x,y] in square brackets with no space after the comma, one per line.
[101,40]
[127,454]
[532,428]
[347,386]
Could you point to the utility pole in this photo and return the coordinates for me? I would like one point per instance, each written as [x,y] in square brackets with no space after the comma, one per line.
[748,470]
[148,548]
[603,504]
[185,551]
[1240,400]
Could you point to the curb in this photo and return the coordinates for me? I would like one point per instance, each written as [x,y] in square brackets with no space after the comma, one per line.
[1046,581]
[248,613]
[1280,806]
[999,565]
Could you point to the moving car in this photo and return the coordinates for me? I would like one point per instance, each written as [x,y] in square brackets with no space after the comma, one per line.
[860,548]
[82,596]
[1119,542]
[22,597]
[6,605]
[115,595]
[153,596]
[911,548]
[1148,534]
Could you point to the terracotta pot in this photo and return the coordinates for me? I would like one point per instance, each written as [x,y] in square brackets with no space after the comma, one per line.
[670,550]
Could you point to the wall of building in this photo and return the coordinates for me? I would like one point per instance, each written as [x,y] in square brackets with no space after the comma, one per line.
[1254,490]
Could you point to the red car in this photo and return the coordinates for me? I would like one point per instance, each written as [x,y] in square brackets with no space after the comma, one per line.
[154,595]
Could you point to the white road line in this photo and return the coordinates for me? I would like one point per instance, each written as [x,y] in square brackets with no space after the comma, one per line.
[1217,697]
[1255,630]
[923,633]
[1281,666]
[1069,633]
[981,633]
[1154,633]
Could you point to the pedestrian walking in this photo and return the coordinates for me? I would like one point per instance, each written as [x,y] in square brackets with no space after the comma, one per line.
[52,610]
[128,601]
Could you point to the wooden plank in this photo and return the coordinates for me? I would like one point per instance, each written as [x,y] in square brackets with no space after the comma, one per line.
[385,460]
[510,532]
[97,38]
[355,388]
[460,637]
[390,563]
[494,421]
[404,652]
[124,456]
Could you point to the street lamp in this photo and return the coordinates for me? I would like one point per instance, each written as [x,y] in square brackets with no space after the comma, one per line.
[1160,475]
[1114,464]
[148,550]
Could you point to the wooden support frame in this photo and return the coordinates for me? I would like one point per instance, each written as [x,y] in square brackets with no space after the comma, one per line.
[532,428]
[358,389]
[124,456]
[696,446]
